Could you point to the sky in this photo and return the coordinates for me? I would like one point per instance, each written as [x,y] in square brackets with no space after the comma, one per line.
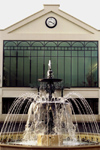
[12,11]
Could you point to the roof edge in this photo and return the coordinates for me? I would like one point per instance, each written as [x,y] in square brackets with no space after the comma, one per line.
[53,5]
[22,20]
[78,20]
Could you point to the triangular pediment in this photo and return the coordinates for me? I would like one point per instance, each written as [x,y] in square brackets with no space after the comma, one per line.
[66,24]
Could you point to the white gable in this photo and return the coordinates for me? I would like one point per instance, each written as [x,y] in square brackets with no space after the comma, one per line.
[66,24]
[63,26]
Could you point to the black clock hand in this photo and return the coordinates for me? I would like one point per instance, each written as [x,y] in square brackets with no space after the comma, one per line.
[51,22]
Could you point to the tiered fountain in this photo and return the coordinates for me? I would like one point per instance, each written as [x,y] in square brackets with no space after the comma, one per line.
[49,121]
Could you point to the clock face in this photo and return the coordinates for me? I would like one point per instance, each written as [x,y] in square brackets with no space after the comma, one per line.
[51,22]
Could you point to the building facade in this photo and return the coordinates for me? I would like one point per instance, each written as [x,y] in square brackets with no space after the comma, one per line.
[50,34]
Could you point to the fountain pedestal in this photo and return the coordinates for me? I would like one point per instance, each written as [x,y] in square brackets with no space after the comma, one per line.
[50,140]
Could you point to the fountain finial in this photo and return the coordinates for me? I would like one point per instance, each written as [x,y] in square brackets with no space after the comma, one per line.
[50,86]
[49,72]
[49,65]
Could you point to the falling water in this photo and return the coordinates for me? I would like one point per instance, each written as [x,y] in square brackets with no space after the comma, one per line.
[49,117]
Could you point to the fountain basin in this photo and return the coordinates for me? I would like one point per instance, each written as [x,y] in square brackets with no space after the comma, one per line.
[23,147]
[50,140]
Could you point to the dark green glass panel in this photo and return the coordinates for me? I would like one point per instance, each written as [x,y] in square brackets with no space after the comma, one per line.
[20,73]
[23,43]
[61,68]
[51,48]
[88,72]
[34,53]
[38,48]
[80,53]
[91,44]
[37,44]
[95,49]
[47,53]
[67,53]
[10,43]
[20,52]
[46,48]
[40,67]
[26,52]
[14,48]
[26,71]
[81,69]
[73,48]
[41,53]
[13,53]
[94,53]
[65,44]
[7,53]
[79,48]
[51,44]
[61,53]
[54,53]
[34,71]
[94,72]
[88,53]
[6,77]
[68,72]
[69,48]
[42,48]
[74,71]
[74,53]
[76,44]
[60,48]
[54,66]
[56,48]
[28,48]
[13,72]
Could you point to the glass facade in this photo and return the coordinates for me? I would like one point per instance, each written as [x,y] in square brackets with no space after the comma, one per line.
[76,62]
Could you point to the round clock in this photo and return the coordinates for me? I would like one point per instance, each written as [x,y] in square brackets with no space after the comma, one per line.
[51,22]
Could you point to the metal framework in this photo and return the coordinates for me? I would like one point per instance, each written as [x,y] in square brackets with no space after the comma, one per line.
[75,62]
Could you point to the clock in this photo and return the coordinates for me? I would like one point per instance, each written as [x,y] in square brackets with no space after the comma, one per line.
[51,22]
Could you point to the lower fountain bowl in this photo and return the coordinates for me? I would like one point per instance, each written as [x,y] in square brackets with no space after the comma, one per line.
[50,140]
[88,142]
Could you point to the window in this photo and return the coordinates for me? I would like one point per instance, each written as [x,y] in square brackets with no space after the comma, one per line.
[82,106]
[75,62]
[78,106]
[6,104]
[93,102]
[12,105]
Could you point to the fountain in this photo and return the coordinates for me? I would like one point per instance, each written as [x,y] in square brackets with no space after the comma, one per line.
[51,120]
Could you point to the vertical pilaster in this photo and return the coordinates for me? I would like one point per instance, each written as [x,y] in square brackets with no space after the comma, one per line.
[99,103]
[99,63]
[1,58]
[99,75]
[0,101]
